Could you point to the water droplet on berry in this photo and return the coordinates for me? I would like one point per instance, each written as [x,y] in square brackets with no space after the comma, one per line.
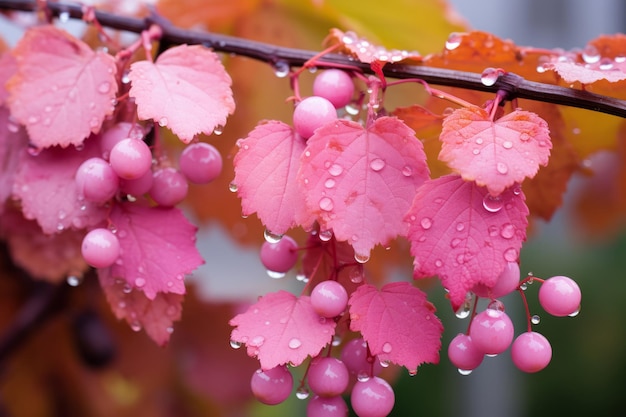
[326,204]
[465,372]
[377,164]
[74,280]
[294,343]
[574,313]
[510,255]
[387,347]
[281,68]
[360,258]
[535,319]
[271,237]
[302,393]
[502,168]
[335,170]
[492,204]
[453,42]
[163,121]
[489,76]
[495,307]
[407,171]
[363,376]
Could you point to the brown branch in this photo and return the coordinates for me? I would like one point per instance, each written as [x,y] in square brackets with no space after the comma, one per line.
[515,85]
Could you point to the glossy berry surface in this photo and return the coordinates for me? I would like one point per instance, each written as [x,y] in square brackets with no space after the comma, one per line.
[169,187]
[311,113]
[329,298]
[96,181]
[328,376]
[272,386]
[355,356]
[491,331]
[327,407]
[279,256]
[560,296]
[200,163]
[373,397]
[130,158]
[531,352]
[463,354]
[334,85]
[100,248]
[507,282]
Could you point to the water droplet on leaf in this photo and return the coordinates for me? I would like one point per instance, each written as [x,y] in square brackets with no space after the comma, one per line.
[140,282]
[294,343]
[492,204]
[360,258]
[407,171]
[502,168]
[387,347]
[271,237]
[510,255]
[326,204]
[590,54]
[335,170]
[163,121]
[377,164]
[426,223]
[218,130]
[507,144]
[104,87]
[453,42]
[507,231]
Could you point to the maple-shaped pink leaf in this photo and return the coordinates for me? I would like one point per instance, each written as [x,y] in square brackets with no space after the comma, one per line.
[360,182]
[187,89]
[612,70]
[63,89]
[156,316]
[50,257]
[46,186]
[398,323]
[157,248]
[281,328]
[495,154]
[13,143]
[461,233]
[266,166]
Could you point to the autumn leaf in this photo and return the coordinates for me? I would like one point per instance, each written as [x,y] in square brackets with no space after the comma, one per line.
[495,154]
[281,328]
[62,90]
[185,89]
[464,235]
[398,324]
[157,248]
[359,181]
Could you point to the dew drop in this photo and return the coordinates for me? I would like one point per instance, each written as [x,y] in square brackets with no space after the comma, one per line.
[495,307]
[507,144]
[465,372]
[476,151]
[590,54]
[64,17]
[384,364]
[574,313]
[492,204]
[620,59]
[479,141]
[535,319]
[412,372]
[363,376]
[517,190]
[356,276]
[325,235]
[464,310]
[377,164]
[454,40]
[438,263]
[302,278]
[74,280]
[218,130]
[510,255]
[135,326]
[232,187]
[271,237]
[348,38]
[281,68]
[302,393]
[336,340]
[32,120]
[352,109]
[507,231]
[426,223]
[140,282]
[502,168]
[455,242]
[387,347]
[329,183]
[326,204]
[163,121]
[104,87]
[407,171]
[127,289]
[360,258]
[460,227]
[257,341]
[275,275]
[489,76]
[294,343]
[335,170]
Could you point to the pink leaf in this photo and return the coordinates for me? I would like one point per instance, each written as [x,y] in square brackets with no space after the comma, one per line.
[398,323]
[265,173]
[158,248]
[155,316]
[495,154]
[461,233]
[49,257]
[360,182]
[63,89]
[282,328]
[13,143]
[47,189]
[186,89]
[586,73]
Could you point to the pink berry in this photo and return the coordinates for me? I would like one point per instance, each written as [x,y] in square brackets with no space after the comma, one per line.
[272,386]
[120,131]
[200,162]
[373,397]
[560,296]
[311,113]
[130,158]
[328,376]
[329,298]
[169,187]
[355,356]
[280,256]
[491,331]
[531,352]
[100,248]
[334,85]
[506,283]
[326,407]
[463,354]
[139,186]
[96,181]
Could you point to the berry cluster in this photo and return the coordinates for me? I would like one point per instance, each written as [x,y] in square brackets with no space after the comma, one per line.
[491,331]
[126,170]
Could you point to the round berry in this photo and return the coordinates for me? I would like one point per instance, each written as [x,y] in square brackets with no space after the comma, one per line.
[491,331]
[507,282]
[327,407]
[560,296]
[130,158]
[356,357]
[373,397]
[280,256]
[169,187]
[329,298]
[96,181]
[463,354]
[116,133]
[311,113]
[328,377]
[100,248]
[531,352]
[334,85]
[138,186]
[200,162]
[272,386]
